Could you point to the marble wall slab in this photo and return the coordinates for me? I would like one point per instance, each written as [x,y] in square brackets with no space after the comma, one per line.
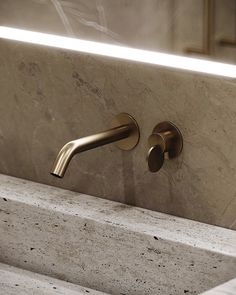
[49,96]
[163,25]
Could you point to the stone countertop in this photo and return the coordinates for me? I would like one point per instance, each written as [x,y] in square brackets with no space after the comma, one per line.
[228,288]
[109,246]
[16,281]
[172,228]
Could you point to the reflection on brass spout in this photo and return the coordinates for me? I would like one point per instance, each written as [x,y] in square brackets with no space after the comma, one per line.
[125,132]
[84,144]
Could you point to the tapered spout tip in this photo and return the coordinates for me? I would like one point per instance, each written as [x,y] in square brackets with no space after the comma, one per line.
[62,160]
[59,168]
[56,175]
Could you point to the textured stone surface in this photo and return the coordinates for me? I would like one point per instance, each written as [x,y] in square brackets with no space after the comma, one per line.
[228,288]
[15,281]
[109,246]
[49,97]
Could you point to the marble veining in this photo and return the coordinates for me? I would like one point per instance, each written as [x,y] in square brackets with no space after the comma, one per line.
[16,281]
[108,246]
[49,97]
[162,25]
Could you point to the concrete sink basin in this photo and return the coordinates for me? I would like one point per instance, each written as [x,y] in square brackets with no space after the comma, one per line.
[108,246]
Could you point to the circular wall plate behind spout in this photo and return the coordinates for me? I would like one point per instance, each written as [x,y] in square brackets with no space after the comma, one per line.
[132,140]
[175,145]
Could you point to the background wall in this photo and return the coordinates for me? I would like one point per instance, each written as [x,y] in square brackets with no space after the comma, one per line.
[164,25]
[49,97]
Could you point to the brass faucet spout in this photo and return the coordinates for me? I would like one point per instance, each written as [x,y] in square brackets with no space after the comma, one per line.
[116,134]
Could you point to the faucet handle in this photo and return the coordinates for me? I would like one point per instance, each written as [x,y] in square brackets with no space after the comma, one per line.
[155,158]
[165,142]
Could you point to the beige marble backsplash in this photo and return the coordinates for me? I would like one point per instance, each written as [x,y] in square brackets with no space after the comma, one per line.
[49,96]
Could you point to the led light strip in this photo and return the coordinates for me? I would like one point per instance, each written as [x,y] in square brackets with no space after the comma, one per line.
[127,53]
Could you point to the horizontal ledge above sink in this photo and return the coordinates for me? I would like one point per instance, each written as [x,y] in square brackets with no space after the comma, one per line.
[169,227]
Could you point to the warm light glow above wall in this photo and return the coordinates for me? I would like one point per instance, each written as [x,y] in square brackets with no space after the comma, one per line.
[127,53]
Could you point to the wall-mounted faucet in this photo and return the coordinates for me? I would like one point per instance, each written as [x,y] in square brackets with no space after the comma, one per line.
[124,131]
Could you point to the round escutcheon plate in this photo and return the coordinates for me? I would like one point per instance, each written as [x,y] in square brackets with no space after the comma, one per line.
[176,145]
[130,142]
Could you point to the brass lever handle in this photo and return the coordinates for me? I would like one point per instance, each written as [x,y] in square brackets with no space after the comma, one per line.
[165,142]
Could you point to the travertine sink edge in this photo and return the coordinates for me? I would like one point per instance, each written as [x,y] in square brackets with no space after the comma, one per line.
[109,246]
[21,282]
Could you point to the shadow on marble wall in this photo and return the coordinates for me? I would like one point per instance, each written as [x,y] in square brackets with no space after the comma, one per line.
[163,25]
[49,97]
